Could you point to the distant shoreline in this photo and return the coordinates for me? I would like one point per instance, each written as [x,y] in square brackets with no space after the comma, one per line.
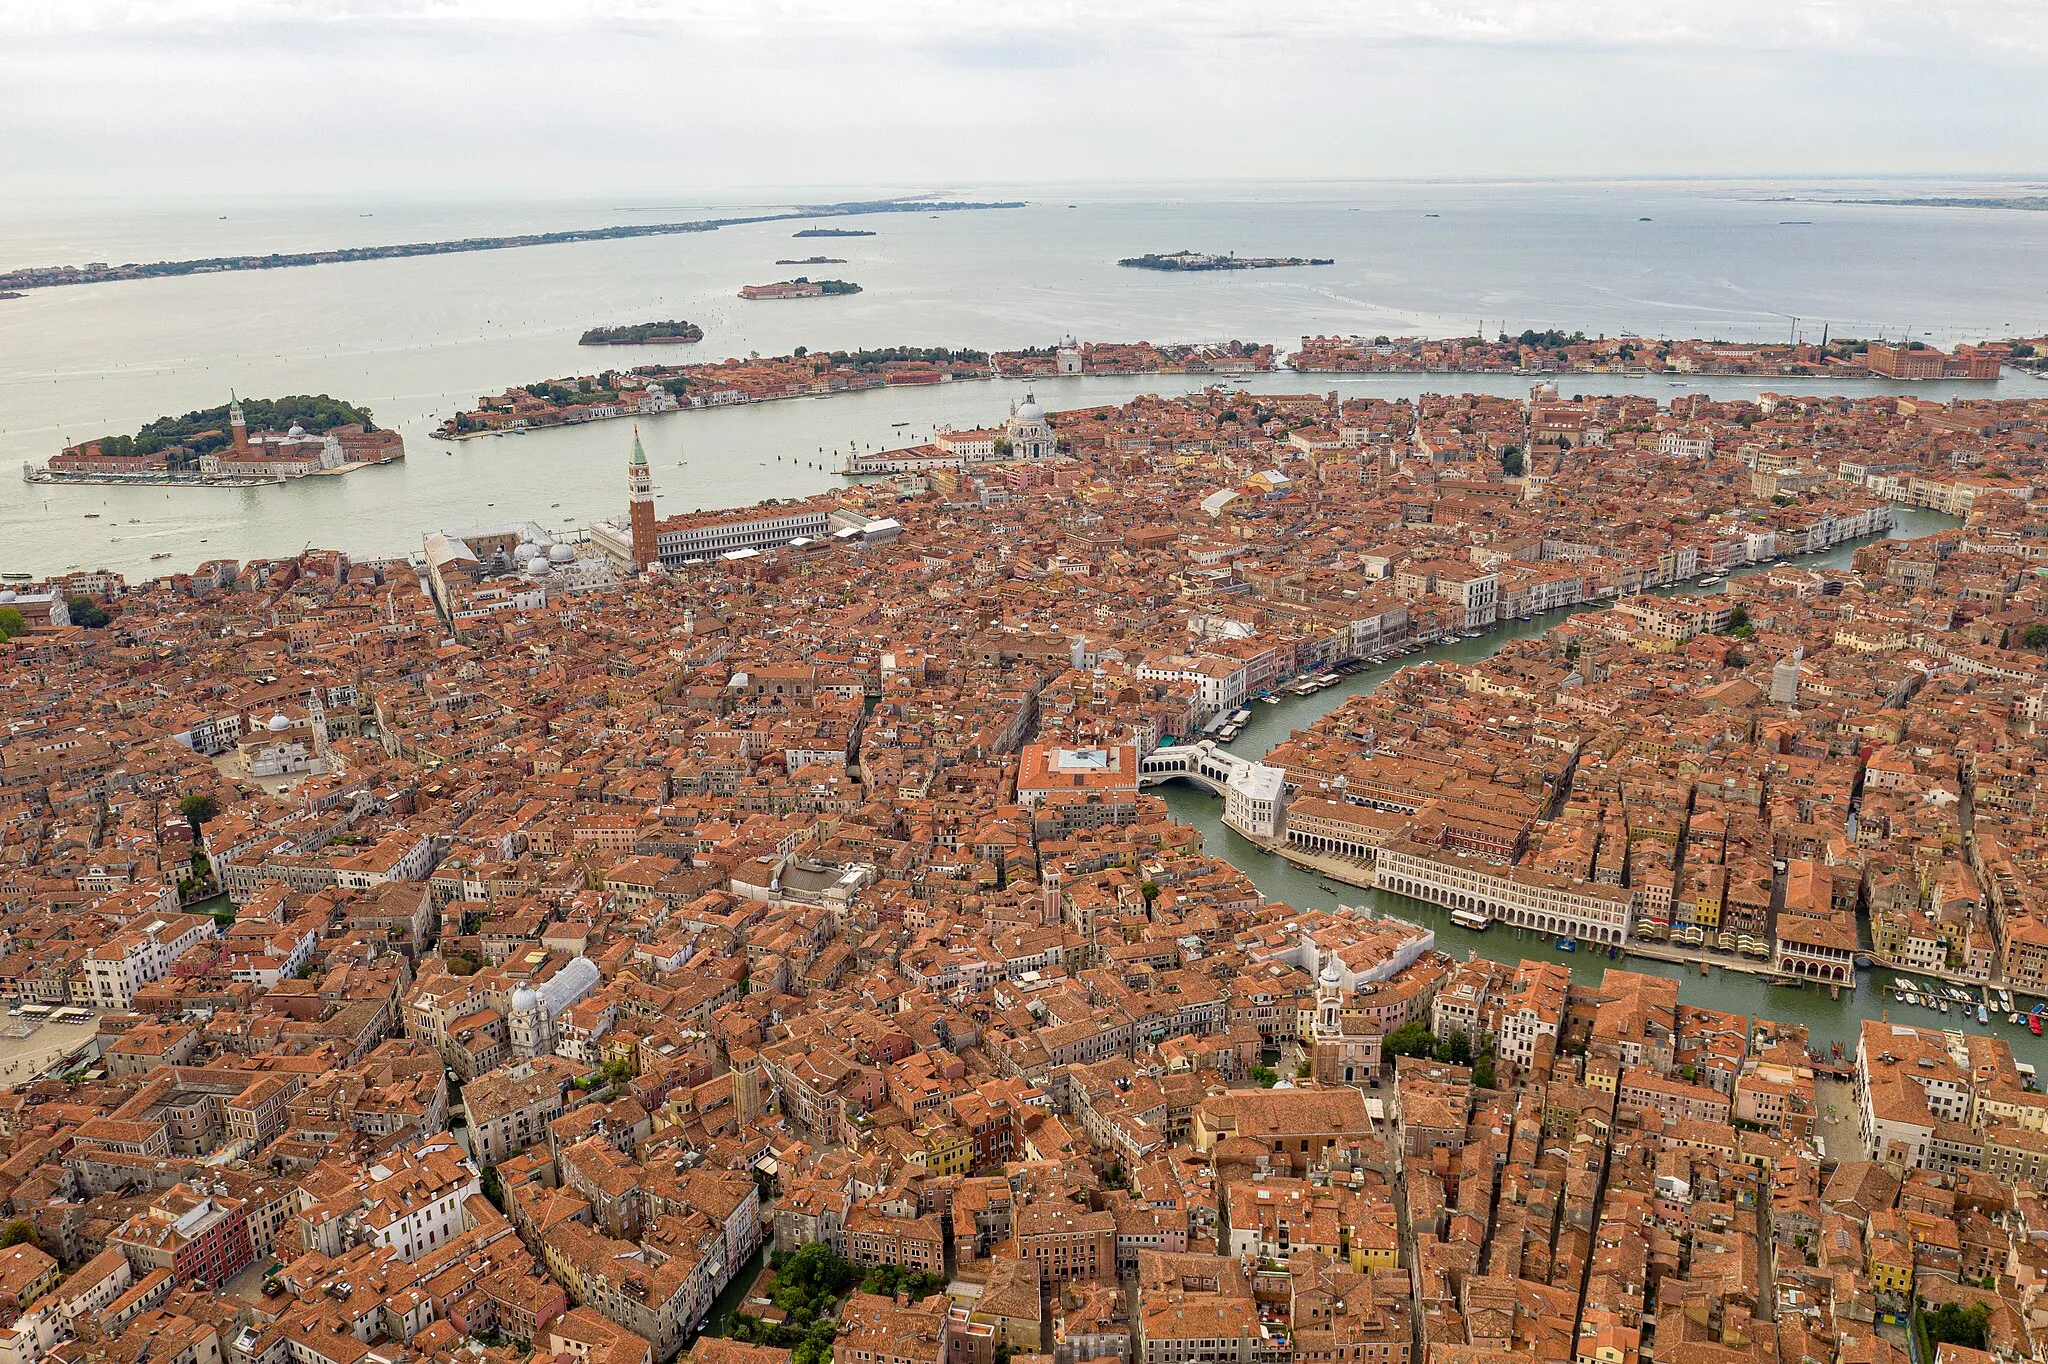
[99,272]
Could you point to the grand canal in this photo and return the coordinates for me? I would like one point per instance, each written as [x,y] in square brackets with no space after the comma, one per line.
[1830,1020]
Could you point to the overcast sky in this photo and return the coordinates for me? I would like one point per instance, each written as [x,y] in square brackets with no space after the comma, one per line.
[546,97]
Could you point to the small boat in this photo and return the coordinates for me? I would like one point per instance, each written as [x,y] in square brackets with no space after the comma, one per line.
[2034,1023]
[1643,220]
[1703,969]
[2012,1018]
[165,554]
[1944,1005]
[1567,945]
[1983,1014]
[92,516]
[1325,885]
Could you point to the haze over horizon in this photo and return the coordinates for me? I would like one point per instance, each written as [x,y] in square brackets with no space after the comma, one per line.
[577,96]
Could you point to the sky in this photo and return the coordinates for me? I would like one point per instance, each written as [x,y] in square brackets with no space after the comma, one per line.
[537,97]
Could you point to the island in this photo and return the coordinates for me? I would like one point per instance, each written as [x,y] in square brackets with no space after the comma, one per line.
[100,272]
[9,293]
[800,287]
[1201,260]
[815,260]
[262,440]
[833,232]
[647,390]
[642,334]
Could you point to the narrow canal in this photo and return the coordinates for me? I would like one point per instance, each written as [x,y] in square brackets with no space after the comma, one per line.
[1829,1020]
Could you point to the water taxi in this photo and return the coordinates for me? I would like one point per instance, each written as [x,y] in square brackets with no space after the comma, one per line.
[1709,581]
[1567,945]
[161,554]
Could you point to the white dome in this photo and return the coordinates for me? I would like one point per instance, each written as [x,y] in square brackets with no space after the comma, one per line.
[280,722]
[562,554]
[524,1000]
[296,431]
[1029,410]
[526,550]
[537,564]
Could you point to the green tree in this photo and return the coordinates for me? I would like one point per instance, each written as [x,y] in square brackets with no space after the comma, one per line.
[1410,1039]
[1303,1071]
[11,623]
[1957,1325]
[87,612]
[1265,1076]
[2033,637]
[617,1071]
[1482,1073]
[1511,461]
[1149,889]
[19,1232]
[197,807]
[1738,619]
[1461,1047]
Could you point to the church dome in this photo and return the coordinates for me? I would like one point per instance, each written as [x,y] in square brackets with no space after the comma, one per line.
[537,565]
[1029,410]
[280,722]
[296,432]
[562,554]
[524,999]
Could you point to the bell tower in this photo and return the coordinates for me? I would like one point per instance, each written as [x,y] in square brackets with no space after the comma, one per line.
[238,429]
[640,490]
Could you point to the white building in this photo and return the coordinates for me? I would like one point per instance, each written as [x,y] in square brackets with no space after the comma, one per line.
[1255,800]
[1538,901]
[141,954]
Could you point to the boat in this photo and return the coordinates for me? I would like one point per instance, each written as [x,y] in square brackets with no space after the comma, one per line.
[1944,1005]
[92,516]
[1983,1014]
[1241,715]
[2012,1018]
[1708,581]
[1270,699]
[17,577]
[1567,945]
[1470,919]
[161,554]
[1703,968]
[2034,1022]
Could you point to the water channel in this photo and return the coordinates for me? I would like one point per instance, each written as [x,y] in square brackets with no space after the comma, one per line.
[1829,1020]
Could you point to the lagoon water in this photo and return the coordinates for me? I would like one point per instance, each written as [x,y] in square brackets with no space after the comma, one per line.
[415,339]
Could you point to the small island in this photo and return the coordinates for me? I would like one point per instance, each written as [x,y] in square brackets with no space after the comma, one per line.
[815,260]
[642,334]
[1200,260]
[832,232]
[9,293]
[800,287]
[262,440]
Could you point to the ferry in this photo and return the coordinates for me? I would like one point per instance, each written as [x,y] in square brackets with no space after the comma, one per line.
[1470,918]
[1240,716]
[17,577]
[1709,581]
